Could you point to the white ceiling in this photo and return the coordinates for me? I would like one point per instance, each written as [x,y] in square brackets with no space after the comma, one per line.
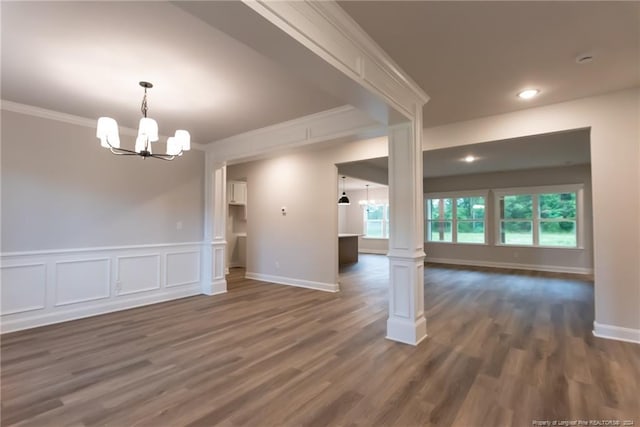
[86,59]
[473,57]
[538,151]
[353,184]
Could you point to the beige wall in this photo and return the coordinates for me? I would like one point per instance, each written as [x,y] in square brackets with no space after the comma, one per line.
[303,244]
[615,166]
[615,174]
[570,260]
[61,190]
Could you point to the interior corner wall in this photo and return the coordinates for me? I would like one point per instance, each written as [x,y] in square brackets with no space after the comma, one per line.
[301,247]
[298,247]
[86,232]
[571,260]
[615,175]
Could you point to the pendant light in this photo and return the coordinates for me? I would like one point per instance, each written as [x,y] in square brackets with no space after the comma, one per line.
[367,185]
[344,200]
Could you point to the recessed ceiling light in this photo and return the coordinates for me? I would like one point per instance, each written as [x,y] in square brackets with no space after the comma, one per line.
[528,93]
[469,159]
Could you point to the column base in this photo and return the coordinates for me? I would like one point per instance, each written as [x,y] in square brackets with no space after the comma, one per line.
[215,287]
[406,331]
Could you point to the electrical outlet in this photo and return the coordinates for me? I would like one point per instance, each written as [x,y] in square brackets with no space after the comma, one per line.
[179,225]
[277,264]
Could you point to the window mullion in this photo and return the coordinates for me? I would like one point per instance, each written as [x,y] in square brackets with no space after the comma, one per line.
[535,222]
[454,220]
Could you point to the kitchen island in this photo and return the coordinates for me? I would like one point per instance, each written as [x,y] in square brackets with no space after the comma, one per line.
[347,248]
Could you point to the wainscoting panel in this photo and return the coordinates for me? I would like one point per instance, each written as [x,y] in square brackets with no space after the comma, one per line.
[23,288]
[44,287]
[400,277]
[138,273]
[82,281]
[182,268]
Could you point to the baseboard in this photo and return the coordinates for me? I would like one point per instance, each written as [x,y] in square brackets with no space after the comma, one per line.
[373,251]
[73,313]
[326,287]
[513,266]
[618,333]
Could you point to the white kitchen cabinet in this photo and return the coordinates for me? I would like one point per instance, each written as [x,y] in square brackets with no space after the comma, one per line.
[237,192]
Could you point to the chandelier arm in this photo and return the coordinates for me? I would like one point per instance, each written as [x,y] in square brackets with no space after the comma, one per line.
[124,152]
[120,151]
[166,157]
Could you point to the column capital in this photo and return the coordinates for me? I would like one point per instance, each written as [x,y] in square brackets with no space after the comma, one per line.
[400,255]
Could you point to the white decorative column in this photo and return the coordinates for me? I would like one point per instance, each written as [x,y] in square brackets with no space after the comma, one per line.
[215,218]
[406,321]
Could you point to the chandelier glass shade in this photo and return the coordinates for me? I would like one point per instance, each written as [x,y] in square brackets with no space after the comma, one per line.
[107,132]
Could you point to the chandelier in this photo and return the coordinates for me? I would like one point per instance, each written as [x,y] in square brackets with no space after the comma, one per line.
[107,132]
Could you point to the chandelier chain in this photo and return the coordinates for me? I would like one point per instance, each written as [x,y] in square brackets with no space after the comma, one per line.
[144,107]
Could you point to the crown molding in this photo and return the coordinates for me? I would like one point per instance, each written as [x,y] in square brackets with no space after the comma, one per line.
[44,113]
[326,125]
[328,31]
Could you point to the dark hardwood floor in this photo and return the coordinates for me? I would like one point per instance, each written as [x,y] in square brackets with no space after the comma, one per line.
[504,348]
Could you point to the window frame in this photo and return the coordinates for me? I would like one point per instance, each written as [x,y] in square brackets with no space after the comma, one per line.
[535,192]
[455,195]
[384,221]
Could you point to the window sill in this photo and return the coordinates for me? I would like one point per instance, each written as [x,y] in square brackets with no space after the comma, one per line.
[571,248]
[458,243]
[375,238]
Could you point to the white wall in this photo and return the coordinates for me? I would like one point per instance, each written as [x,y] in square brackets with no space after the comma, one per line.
[86,232]
[549,259]
[615,174]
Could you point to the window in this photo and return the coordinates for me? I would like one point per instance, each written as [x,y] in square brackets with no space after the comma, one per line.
[516,219]
[557,225]
[455,219]
[470,219]
[376,220]
[439,220]
[546,216]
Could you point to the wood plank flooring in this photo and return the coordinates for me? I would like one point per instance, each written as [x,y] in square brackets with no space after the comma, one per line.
[504,348]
